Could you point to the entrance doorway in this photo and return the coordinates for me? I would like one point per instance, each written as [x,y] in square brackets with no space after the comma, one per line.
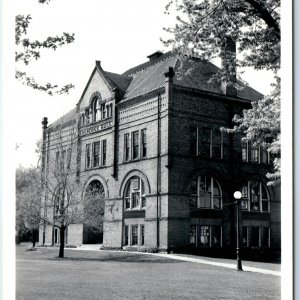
[94,203]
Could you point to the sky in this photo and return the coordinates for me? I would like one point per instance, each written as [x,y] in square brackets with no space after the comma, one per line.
[118,33]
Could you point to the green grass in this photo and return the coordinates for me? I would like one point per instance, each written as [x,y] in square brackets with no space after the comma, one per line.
[118,275]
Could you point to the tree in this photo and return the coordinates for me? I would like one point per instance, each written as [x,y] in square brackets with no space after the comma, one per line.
[202,30]
[27,202]
[28,51]
[62,204]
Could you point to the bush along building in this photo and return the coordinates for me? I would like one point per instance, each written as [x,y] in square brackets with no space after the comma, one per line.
[149,144]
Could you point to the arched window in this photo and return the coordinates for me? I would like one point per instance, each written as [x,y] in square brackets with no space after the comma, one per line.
[95,109]
[94,210]
[134,197]
[255,197]
[205,192]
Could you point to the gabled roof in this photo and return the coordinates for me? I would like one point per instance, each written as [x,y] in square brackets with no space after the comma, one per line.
[119,81]
[67,119]
[194,74]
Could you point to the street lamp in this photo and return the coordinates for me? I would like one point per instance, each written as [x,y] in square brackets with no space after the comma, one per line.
[237,196]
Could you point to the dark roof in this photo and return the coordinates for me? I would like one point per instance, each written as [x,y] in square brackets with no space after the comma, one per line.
[120,81]
[67,119]
[189,73]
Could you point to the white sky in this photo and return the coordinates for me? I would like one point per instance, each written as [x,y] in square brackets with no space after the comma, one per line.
[118,33]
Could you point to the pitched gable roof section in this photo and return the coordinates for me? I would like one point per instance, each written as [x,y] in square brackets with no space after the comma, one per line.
[149,79]
[66,120]
[149,76]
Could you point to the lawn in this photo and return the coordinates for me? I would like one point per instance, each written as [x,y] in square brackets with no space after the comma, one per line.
[118,275]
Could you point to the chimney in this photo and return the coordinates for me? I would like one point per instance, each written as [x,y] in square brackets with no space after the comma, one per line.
[45,122]
[155,55]
[228,56]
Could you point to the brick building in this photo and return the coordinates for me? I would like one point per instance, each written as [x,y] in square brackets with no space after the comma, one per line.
[150,141]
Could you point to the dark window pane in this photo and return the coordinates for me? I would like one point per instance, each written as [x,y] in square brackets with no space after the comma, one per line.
[216,144]
[88,155]
[135,145]
[216,236]
[193,140]
[217,202]
[193,201]
[254,195]
[254,236]
[144,143]
[126,147]
[126,236]
[127,203]
[104,152]
[134,235]
[265,237]
[244,152]
[96,152]
[205,142]
[142,234]
[244,236]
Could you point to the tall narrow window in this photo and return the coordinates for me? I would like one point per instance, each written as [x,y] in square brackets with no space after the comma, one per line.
[142,235]
[204,236]
[96,153]
[245,239]
[103,112]
[103,152]
[87,116]
[194,140]
[206,142]
[126,235]
[134,235]
[215,236]
[244,151]
[265,237]
[255,237]
[144,143]
[264,155]
[193,235]
[135,145]
[254,154]
[126,147]
[88,156]
[217,143]
[95,110]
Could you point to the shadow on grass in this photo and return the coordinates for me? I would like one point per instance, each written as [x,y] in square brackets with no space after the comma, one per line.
[124,259]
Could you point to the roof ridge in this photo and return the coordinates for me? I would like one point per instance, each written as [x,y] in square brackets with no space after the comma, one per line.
[146,65]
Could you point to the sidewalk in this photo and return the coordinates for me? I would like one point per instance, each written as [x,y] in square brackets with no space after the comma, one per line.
[248,266]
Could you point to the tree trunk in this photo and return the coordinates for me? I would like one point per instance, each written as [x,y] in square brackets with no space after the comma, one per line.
[62,242]
[33,238]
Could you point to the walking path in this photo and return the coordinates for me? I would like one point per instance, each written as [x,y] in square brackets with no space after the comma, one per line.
[248,266]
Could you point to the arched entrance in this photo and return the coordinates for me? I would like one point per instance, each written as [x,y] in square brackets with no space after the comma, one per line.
[94,204]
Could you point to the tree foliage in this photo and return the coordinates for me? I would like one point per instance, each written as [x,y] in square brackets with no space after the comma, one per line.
[202,29]
[30,50]
[27,201]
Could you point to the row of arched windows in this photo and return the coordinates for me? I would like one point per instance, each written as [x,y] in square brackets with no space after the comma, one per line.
[205,192]
[96,112]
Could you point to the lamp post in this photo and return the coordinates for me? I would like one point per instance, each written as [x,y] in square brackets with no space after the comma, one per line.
[237,196]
